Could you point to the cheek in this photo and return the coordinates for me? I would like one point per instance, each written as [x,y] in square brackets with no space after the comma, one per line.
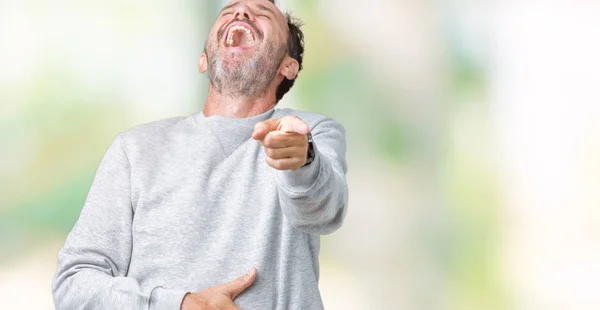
[269,31]
[217,29]
[275,37]
[281,36]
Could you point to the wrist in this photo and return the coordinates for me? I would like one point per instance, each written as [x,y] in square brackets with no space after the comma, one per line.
[301,179]
[310,152]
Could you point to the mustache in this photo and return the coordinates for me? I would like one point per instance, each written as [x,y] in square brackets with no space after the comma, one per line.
[221,32]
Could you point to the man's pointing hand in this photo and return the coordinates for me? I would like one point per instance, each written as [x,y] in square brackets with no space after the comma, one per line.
[285,141]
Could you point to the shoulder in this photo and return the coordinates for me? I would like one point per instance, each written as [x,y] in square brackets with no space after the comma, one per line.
[152,133]
[313,120]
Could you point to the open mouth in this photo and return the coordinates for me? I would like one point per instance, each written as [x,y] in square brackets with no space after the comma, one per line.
[239,36]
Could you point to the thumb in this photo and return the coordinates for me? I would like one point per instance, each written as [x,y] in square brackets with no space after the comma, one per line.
[263,128]
[240,284]
[294,124]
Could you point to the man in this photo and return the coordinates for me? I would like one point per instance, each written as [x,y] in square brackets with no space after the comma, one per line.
[181,206]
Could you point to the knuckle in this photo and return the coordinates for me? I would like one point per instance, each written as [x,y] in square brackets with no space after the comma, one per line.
[269,140]
[279,165]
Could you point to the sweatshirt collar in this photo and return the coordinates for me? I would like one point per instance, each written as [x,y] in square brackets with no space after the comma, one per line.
[231,132]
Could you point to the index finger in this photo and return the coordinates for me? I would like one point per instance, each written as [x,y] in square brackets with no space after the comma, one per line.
[261,129]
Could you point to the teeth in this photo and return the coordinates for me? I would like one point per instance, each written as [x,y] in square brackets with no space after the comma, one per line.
[233,29]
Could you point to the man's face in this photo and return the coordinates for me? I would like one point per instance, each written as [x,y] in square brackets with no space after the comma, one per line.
[245,47]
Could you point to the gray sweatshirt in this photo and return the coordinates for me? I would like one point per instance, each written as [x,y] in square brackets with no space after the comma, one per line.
[187,203]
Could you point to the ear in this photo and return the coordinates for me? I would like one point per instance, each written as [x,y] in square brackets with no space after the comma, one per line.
[202,64]
[289,67]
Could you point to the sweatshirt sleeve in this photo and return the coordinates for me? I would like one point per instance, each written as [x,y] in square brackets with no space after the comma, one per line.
[93,264]
[314,198]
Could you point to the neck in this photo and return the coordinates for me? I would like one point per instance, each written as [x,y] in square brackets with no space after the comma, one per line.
[237,107]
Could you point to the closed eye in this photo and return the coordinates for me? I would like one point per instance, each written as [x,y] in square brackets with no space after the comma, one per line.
[263,10]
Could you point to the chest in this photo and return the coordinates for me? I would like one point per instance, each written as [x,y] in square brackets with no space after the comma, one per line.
[200,186]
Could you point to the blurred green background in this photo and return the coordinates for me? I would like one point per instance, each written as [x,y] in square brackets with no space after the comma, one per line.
[473,134]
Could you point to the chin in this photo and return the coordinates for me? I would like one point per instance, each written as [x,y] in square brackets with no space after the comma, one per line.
[233,59]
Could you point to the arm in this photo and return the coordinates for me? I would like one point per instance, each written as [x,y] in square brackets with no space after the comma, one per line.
[93,264]
[314,197]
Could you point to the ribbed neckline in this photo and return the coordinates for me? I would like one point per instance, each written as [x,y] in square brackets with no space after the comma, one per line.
[231,132]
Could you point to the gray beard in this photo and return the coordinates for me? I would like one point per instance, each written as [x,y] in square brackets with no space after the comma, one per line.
[248,78]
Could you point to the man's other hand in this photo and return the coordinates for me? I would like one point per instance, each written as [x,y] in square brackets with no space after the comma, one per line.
[285,141]
[219,297]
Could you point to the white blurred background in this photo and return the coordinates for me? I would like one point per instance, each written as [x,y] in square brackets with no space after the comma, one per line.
[473,131]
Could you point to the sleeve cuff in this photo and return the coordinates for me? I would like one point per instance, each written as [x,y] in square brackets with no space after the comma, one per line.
[303,178]
[161,298]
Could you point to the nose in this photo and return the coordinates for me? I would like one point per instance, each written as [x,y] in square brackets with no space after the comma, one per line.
[242,12]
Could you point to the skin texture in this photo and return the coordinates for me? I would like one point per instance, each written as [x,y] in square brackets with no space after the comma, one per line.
[273,27]
[270,27]
[284,140]
[243,71]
